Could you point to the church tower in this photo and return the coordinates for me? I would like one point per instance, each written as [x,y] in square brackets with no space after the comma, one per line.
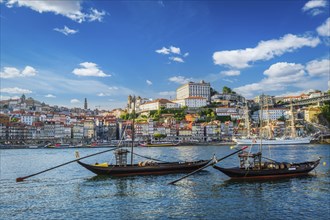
[85,104]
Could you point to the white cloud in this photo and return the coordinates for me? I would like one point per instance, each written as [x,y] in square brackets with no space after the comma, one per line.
[314,6]
[113,88]
[50,96]
[265,50]
[283,69]
[66,31]
[96,15]
[15,90]
[324,29]
[73,101]
[5,97]
[164,50]
[29,71]
[12,72]
[172,50]
[180,79]
[149,82]
[296,93]
[177,59]
[318,67]
[69,9]
[231,73]
[228,80]
[175,50]
[101,94]
[89,69]
[279,76]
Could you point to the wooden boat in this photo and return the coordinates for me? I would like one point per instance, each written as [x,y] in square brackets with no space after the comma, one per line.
[251,166]
[122,168]
[144,168]
[160,144]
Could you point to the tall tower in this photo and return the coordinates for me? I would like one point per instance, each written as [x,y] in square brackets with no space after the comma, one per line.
[85,104]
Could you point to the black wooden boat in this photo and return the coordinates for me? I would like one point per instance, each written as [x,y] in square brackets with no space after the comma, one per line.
[122,168]
[251,166]
[144,168]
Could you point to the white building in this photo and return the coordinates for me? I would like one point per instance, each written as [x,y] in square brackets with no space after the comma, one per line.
[192,102]
[192,89]
[157,104]
[28,119]
[272,114]
[234,113]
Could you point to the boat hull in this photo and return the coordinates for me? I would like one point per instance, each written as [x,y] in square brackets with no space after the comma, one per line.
[154,169]
[297,169]
[273,142]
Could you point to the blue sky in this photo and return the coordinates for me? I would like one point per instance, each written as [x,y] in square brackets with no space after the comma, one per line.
[60,52]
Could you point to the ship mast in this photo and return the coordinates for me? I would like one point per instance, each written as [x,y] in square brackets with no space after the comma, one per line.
[247,121]
[260,121]
[133,129]
[293,128]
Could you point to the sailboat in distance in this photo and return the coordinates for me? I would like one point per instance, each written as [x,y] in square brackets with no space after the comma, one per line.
[270,140]
[252,165]
[148,167]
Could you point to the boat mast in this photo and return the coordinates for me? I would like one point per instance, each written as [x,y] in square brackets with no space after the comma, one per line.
[247,121]
[260,121]
[293,128]
[133,130]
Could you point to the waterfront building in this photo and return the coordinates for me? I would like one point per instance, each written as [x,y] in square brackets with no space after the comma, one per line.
[49,130]
[198,132]
[192,89]
[37,130]
[78,131]
[184,134]
[212,131]
[141,130]
[89,128]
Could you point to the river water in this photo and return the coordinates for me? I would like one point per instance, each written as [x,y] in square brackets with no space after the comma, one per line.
[72,192]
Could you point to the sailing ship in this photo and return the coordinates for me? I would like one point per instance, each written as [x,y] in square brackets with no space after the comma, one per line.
[252,166]
[147,167]
[270,140]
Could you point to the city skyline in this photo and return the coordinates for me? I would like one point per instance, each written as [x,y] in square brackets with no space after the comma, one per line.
[62,52]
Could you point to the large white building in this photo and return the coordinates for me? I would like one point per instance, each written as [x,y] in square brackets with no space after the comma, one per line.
[271,114]
[193,89]
[192,102]
[157,104]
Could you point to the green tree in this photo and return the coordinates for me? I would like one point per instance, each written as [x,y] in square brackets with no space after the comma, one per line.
[227,90]
[158,136]
[325,109]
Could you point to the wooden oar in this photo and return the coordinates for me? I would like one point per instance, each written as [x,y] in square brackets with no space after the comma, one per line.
[20,179]
[212,162]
